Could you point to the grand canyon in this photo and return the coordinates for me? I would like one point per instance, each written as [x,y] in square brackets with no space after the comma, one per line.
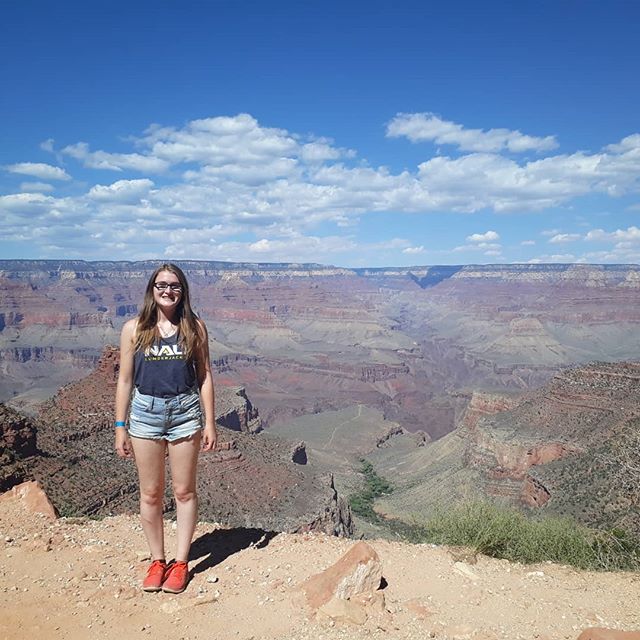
[509,381]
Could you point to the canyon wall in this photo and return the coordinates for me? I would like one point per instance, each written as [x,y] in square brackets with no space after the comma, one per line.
[410,342]
[558,447]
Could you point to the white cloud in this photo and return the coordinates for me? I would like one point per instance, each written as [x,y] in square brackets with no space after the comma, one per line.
[556,257]
[39,170]
[218,141]
[47,145]
[630,143]
[561,238]
[255,171]
[114,161]
[485,242]
[292,249]
[490,246]
[428,126]
[230,184]
[30,187]
[483,237]
[121,191]
[251,175]
[413,250]
[30,203]
[319,152]
[36,218]
[528,243]
[631,234]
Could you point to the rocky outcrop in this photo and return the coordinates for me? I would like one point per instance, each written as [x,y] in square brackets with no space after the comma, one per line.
[551,448]
[235,411]
[421,438]
[17,445]
[534,493]
[482,404]
[393,431]
[299,453]
[334,514]
[340,591]
[17,433]
[513,460]
[249,481]
[79,577]
[32,499]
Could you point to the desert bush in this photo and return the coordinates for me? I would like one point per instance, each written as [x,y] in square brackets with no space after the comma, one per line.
[503,532]
[361,503]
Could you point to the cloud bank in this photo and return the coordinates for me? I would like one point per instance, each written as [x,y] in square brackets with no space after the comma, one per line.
[228,187]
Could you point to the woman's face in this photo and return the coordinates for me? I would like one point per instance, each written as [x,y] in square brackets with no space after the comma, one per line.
[167,291]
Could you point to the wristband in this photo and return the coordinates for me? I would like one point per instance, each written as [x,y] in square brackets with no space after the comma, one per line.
[121,424]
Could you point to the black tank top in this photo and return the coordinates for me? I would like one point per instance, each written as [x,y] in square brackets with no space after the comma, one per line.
[163,370]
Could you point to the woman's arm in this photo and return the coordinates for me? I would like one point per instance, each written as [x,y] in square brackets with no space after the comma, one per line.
[124,387]
[207,394]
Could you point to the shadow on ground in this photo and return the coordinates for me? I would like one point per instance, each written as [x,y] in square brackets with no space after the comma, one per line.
[213,548]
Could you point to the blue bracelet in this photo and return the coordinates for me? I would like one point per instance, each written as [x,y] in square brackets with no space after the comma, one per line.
[121,423]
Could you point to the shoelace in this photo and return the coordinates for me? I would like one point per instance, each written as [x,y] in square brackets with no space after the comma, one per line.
[179,569]
[157,566]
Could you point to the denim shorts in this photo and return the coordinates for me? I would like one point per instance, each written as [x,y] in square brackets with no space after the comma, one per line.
[165,418]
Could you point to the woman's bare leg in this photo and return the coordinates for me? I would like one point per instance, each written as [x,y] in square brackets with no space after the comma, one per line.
[150,460]
[183,458]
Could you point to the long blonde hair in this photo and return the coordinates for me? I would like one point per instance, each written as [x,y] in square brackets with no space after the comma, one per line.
[189,333]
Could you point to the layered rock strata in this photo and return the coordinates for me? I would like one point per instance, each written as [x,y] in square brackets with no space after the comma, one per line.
[249,481]
[561,448]
[308,338]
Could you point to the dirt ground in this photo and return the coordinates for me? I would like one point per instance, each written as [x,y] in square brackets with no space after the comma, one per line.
[77,579]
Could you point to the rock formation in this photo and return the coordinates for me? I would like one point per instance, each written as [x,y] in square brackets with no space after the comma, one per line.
[299,453]
[528,449]
[249,481]
[557,448]
[32,499]
[17,444]
[348,590]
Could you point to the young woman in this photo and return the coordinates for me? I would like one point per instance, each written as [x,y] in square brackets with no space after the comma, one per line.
[164,359]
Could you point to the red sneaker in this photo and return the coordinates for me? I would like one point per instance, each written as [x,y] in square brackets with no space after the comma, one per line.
[176,577]
[155,576]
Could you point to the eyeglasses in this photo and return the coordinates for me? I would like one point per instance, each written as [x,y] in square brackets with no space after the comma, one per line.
[176,287]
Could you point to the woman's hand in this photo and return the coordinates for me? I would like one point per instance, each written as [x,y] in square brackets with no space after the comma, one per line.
[123,443]
[209,438]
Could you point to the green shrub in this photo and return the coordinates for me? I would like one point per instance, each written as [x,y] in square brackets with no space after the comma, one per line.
[361,503]
[506,533]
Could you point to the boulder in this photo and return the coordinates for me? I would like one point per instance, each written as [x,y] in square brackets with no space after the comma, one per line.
[343,611]
[359,571]
[600,633]
[33,498]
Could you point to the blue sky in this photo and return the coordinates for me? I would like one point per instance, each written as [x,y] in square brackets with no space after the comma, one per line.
[347,133]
